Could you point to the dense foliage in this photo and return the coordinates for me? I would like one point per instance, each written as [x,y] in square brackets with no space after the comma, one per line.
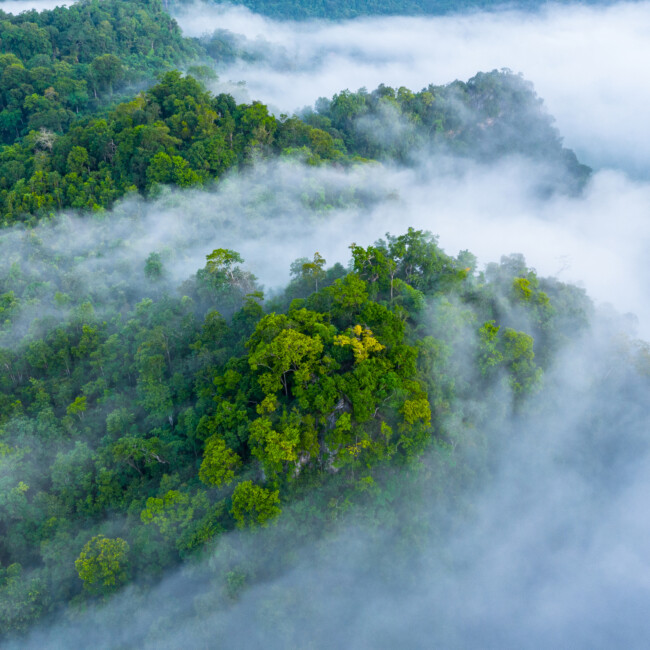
[59,63]
[141,419]
[492,115]
[134,433]
[333,9]
[176,133]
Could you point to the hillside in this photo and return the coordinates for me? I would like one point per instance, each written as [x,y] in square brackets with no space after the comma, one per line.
[145,428]
[334,10]
[178,134]
[167,420]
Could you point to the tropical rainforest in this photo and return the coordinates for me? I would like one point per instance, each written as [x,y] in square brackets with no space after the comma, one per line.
[331,9]
[148,423]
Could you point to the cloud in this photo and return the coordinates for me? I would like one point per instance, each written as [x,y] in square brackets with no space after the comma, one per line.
[18,6]
[276,212]
[547,549]
[588,63]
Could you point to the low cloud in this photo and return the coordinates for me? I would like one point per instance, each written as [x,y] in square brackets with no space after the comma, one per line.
[547,550]
[18,6]
[587,63]
[278,211]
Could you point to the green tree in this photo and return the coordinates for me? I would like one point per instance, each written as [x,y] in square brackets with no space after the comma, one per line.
[489,355]
[103,564]
[253,505]
[277,446]
[525,376]
[78,160]
[173,512]
[289,352]
[314,270]
[219,463]
[22,599]
[153,267]
[78,407]
[106,70]
[223,260]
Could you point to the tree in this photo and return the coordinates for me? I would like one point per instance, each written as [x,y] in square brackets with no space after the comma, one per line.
[173,512]
[518,355]
[489,355]
[78,160]
[348,294]
[153,267]
[106,70]
[253,505]
[103,564]
[135,451]
[165,169]
[362,343]
[275,447]
[78,407]
[314,269]
[223,275]
[22,599]
[219,463]
[222,260]
[290,351]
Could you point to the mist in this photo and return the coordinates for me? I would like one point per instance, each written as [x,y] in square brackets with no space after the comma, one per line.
[491,210]
[18,6]
[550,548]
[587,63]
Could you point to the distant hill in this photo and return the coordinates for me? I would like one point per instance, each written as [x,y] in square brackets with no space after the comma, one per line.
[338,9]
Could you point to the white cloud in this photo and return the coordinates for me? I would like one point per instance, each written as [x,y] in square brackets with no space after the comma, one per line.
[554,550]
[18,6]
[279,211]
[588,63]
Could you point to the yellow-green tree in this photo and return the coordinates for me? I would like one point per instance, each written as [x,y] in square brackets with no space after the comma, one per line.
[253,505]
[103,564]
[219,463]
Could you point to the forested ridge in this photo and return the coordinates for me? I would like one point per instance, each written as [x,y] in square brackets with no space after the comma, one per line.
[177,133]
[144,419]
[69,143]
[62,62]
[336,10]
[133,438]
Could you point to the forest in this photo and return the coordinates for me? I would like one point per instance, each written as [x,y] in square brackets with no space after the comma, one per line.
[136,431]
[331,9]
[149,424]
[78,135]
[176,133]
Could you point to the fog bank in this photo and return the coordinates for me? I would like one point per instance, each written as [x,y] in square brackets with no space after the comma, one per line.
[279,211]
[551,551]
[587,63]
[18,6]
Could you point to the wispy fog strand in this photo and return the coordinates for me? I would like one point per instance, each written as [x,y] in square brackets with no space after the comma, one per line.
[277,212]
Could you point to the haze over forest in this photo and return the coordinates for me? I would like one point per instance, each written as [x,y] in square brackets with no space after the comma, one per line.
[320,332]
